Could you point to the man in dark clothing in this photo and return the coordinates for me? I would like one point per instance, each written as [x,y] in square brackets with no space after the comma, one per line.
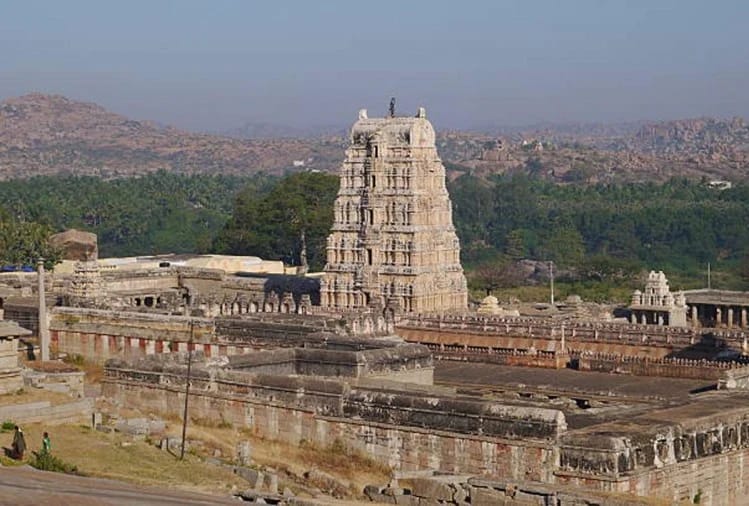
[19,444]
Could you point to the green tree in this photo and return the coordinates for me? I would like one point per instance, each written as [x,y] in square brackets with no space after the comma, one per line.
[564,246]
[515,245]
[23,243]
[499,272]
[291,222]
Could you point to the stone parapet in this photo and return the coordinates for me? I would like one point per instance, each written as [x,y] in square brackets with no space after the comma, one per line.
[335,398]
[665,367]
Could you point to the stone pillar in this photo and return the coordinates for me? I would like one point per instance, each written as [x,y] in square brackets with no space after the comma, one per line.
[105,346]
[718,316]
[729,317]
[660,319]
[743,317]
[644,318]
[695,316]
[43,323]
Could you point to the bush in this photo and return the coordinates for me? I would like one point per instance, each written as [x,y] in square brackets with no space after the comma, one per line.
[45,461]
[7,426]
[74,359]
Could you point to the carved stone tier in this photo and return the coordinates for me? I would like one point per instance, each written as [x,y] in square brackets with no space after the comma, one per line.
[393,240]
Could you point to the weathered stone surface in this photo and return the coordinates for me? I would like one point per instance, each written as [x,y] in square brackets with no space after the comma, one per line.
[431,488]
[327,483]
[371,489]
[244,453]
[407,500]
[140,426]
[270,483]
[76,245]
[489,497]
[382,498]
[393,243]
[252,476]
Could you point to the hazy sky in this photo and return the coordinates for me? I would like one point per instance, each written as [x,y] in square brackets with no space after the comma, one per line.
[213,65]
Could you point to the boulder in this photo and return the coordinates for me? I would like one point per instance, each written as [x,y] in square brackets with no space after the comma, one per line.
[76,245]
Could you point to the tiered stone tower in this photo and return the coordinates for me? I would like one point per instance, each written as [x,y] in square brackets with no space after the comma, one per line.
[86,288]
[393,241]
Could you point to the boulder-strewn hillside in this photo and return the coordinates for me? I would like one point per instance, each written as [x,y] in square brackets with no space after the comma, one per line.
[702,136]
[49,134]
[694,148]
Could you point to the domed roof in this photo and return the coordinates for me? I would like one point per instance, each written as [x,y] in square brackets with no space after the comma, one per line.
[489,300]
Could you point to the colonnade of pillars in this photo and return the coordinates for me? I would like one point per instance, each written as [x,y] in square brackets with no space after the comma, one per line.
[649,317]
[716,315]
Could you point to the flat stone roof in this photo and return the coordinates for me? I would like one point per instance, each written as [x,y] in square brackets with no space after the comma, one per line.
[718,297]
[10,328]
[586,398]
[567,381]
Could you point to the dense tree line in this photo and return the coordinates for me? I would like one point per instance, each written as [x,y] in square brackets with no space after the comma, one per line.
[22,244]
[604,233]
[158,213]
[290,222]
[603,230]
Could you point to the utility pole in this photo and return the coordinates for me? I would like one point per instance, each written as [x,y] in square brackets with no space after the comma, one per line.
[187,392]
[43,324]
[709,285]
[551,281]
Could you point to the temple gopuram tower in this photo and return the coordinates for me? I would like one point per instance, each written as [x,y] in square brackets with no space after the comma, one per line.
[393,242]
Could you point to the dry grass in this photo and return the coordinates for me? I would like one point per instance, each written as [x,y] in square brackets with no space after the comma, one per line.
[105,456]
[351,468]
[26,395]
[117,456]
[343,460]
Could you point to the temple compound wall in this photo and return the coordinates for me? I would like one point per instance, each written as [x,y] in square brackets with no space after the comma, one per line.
[696,451]
[487,334]
[98,334]
[680,452]
[393,242]
[406,426]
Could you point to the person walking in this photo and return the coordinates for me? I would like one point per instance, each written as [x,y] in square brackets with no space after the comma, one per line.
[19,444]
[46,443]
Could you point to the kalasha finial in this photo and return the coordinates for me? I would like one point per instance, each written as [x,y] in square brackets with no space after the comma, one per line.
[392,107]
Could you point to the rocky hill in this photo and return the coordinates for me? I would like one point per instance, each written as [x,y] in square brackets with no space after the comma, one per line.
[49,134]
[695,148]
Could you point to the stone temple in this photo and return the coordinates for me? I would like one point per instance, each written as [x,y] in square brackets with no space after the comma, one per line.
[393,243]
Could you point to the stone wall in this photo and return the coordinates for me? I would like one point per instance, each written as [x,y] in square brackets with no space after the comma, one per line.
[676,453]
[488,355]
[545,342]
[102,334]
[734,379]
[482,329]
[150,281]
[67,382]
[78,411]
[665,367]
[409,430]
[458,490]
[405,362]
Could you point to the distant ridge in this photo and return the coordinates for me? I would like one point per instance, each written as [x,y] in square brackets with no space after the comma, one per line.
[52,134]
[258,130]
